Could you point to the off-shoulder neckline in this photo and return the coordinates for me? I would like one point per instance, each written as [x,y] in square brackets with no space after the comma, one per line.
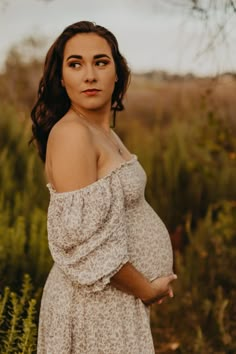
[98,181]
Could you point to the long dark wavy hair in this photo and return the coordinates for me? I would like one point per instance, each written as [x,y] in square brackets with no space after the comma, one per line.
[52,101]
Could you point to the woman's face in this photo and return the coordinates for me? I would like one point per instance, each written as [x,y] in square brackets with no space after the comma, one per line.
[88,64]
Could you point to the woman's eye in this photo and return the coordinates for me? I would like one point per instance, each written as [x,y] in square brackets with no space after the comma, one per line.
[74,65]
[101,63]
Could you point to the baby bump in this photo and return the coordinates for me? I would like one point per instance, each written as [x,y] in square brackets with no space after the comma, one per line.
[150,247]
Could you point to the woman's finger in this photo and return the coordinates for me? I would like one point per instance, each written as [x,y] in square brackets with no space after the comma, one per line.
[171,293]
[172,277]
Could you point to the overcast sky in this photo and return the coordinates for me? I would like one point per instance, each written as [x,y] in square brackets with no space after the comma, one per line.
[151,37]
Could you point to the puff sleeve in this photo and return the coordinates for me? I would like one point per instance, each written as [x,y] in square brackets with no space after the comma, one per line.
[87,232]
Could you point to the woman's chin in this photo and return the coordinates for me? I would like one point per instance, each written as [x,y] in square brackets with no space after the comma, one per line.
[94,106]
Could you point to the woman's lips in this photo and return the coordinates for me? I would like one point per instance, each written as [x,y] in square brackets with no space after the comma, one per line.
[91,92]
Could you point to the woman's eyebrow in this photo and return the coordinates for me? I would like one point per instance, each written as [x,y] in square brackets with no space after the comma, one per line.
[97,56]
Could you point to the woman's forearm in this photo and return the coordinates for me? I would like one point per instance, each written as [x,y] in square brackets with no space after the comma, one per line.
[131,281]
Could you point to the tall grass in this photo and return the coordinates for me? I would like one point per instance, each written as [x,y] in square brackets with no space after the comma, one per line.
[23,201]
[18,320]
[202,318]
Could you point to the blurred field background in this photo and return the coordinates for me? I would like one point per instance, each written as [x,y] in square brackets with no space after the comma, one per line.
[183,129]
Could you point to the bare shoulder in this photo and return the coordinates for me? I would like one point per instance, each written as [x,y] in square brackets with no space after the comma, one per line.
[67,132]
[72,156]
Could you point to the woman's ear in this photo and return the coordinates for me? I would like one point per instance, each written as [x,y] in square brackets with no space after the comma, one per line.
[116,78]
[62,83]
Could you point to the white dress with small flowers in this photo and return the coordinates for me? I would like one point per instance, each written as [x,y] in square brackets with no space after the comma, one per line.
[92,233]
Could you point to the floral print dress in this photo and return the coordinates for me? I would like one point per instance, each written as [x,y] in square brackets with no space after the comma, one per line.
[92,233]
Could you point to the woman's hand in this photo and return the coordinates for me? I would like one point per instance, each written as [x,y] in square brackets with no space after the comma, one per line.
[161,289]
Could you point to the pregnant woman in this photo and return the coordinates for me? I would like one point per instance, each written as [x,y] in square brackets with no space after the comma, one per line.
[112,253]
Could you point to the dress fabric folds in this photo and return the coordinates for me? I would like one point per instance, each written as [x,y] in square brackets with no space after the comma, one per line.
[87,233]
[92,233]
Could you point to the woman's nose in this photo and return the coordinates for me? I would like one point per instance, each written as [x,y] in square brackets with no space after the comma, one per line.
[90,74]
